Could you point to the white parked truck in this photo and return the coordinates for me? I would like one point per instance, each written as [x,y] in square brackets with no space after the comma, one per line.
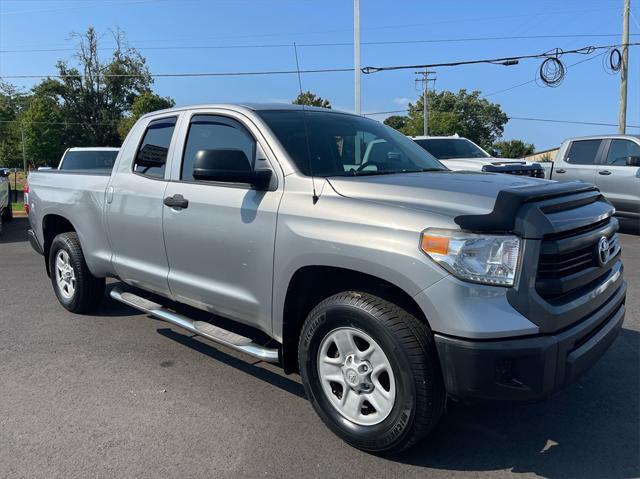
[461,154]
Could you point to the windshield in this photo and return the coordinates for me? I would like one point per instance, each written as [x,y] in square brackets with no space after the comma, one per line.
[450,148]
[89,160]
[345,145]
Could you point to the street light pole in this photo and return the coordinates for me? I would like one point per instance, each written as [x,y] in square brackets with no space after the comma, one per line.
[356,54]
[624,70]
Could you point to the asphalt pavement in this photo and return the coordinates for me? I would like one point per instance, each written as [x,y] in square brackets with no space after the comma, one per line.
[119,394]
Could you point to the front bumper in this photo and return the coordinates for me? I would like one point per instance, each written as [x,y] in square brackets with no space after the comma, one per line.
[529,368]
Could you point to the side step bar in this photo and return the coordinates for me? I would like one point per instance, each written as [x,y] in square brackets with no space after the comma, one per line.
[206,330]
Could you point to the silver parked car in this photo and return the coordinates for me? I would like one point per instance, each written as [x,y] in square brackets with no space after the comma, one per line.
[611,162]
[387,281]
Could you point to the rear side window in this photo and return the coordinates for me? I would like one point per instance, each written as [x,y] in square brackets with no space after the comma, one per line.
[89,160]
[620,150]
[151,157]
[209,132]
[583,152]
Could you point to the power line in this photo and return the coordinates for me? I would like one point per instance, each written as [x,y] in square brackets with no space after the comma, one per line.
[555,53]
[517,118]
[534,80]
[188,74]
[327,44]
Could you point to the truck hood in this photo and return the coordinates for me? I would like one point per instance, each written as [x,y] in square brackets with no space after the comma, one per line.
[443,192]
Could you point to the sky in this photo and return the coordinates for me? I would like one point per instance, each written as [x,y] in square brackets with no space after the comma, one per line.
[588,92]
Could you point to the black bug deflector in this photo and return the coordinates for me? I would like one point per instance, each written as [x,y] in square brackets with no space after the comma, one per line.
[508,214]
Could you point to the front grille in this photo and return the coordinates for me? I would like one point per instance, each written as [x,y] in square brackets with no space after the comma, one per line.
[569,263]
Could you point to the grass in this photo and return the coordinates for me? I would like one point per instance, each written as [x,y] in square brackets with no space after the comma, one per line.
[21,178]
[17,207]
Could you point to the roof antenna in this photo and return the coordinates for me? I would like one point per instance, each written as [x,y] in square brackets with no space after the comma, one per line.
[306,129]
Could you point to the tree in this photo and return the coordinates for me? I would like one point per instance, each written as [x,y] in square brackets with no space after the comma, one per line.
[44,130]
[513,148]
[396,122]
[463,113]
[11,105]
[144,103]
[311,99]
[96,94]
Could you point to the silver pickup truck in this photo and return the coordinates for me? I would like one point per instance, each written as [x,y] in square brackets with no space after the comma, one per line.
[611,162]
[390,284]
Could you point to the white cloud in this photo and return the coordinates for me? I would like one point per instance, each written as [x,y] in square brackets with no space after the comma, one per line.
[402,101]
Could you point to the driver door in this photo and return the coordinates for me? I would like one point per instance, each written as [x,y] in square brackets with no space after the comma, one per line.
[220,246]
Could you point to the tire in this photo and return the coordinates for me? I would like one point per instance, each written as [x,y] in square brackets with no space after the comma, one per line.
[412,371]
[7,214]
[1,224]
[75,287]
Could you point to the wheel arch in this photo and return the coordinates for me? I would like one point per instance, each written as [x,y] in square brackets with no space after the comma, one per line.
[52,226]
[311,284]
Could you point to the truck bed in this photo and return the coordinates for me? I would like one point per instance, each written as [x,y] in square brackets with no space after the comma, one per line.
[77,196]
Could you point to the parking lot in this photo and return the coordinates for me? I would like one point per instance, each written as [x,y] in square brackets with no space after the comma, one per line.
[119,394]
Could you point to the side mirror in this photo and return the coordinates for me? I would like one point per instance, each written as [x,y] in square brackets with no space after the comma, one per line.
[152,156]
[228,165]
[632,160]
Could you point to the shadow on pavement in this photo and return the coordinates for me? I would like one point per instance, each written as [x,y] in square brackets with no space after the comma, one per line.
[590,430]
[272,378]
[15,231]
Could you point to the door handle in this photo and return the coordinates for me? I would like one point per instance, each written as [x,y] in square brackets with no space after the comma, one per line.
[176,201]
[560,171]
[604,172]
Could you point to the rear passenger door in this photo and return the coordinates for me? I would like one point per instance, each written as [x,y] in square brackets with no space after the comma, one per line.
[580,162]
[619,182]
[220,246]
[134,207]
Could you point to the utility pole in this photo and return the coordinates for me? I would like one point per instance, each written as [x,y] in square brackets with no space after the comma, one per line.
[423,80]
[624,70]
[356,54]
[24,165]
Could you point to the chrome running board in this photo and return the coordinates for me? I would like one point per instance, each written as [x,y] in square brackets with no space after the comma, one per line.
[206,330]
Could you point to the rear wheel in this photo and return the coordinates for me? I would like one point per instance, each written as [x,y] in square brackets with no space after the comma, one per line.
[75,287]
[371,372]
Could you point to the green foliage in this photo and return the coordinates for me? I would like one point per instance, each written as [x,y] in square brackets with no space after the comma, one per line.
[396,122]
[546,158]
[311,99]
[513,149]
[11,105]
[463,113]
[90,104]
[144,103]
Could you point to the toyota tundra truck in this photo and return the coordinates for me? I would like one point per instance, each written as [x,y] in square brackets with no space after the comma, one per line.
[388,282]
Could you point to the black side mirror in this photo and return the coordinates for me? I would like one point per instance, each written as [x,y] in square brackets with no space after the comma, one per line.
[228,165]
[152,156]
[632,160]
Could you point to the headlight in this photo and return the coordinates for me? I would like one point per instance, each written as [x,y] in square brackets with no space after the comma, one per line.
[489,259]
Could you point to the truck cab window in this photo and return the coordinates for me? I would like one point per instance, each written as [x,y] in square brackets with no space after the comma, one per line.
[583,152]
[620,151]
[151,157]
[209,132]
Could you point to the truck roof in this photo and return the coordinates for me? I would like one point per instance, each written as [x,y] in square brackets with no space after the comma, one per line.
[248,106]
[602,137]
[450,137]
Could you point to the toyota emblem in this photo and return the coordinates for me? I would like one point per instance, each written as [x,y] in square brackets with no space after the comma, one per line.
[603,251]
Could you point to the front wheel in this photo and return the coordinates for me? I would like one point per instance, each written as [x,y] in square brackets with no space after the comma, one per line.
[371,372]
[76,288]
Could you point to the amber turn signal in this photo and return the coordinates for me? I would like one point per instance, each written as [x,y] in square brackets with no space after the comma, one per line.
[435,244]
